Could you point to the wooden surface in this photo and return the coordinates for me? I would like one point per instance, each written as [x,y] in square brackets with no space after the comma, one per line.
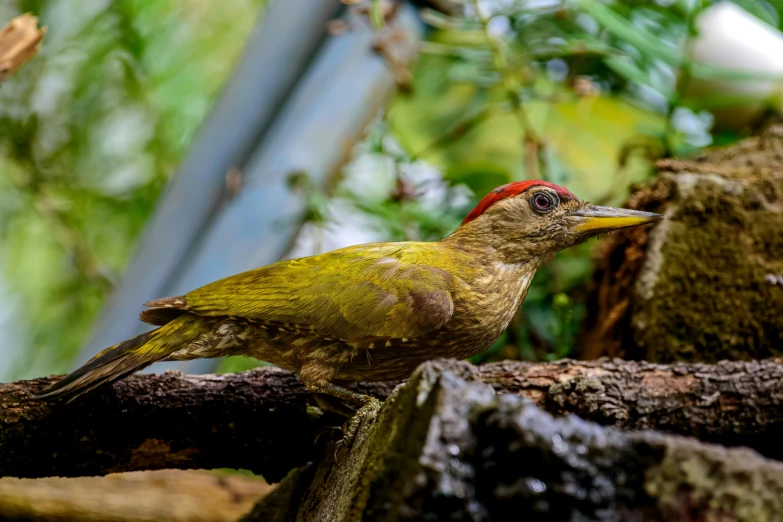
[145,496]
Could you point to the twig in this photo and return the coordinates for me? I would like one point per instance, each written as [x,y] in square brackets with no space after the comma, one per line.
[533,143]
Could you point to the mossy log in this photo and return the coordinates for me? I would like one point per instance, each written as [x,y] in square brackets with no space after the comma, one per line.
[264,420]
[447,447]
[707,282]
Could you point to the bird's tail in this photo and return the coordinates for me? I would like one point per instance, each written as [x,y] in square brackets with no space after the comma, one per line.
[126,358]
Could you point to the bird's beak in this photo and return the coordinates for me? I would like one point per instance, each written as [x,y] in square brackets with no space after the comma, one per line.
[591,218]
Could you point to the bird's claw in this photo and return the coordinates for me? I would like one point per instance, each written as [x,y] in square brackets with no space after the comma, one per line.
[370,407]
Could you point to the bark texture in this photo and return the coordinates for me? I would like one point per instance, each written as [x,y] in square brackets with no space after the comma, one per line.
[258,420]
[708,280]
[446,447]
[264,420]
[734,403]
[147,496]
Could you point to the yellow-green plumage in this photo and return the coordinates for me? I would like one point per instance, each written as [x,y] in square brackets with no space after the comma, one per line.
[128,357]
[366,312]
[359,294]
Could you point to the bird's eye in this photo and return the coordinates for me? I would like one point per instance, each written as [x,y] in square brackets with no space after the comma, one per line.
[543,201]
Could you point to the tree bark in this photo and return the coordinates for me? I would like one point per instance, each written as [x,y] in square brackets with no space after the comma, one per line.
[264,420]
[257,420]
[734,403]
[446,447]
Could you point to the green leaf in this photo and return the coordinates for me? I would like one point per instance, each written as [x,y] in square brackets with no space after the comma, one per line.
[376,14]
[625,30]
[627,68]
[479,176]
[756,8]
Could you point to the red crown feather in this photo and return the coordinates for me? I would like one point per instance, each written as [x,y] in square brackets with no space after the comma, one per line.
[510,190]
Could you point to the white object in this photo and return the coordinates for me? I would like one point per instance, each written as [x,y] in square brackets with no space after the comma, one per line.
[731,38]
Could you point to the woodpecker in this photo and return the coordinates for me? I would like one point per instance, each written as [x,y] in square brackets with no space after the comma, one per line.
[368,312]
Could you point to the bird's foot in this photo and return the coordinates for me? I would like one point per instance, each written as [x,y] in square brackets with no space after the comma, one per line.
[334,405]
[370,408]
[325,395]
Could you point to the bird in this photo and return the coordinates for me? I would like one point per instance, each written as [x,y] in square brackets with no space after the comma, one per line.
[370,312]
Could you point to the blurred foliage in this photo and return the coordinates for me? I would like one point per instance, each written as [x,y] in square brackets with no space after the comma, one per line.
[90,132]
[584,93]
[580,92]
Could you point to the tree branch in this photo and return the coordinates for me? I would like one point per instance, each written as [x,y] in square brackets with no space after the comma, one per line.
[256,420]
[266,421]
[734,403]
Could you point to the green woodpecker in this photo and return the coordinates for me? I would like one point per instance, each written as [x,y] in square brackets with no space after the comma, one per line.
[368,312]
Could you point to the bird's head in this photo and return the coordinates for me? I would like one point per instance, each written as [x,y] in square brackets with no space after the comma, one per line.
[531,220]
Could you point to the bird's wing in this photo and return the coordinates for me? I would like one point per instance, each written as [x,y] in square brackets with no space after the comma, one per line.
[359,295]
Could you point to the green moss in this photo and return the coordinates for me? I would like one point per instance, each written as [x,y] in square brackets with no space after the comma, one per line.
[704,293]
